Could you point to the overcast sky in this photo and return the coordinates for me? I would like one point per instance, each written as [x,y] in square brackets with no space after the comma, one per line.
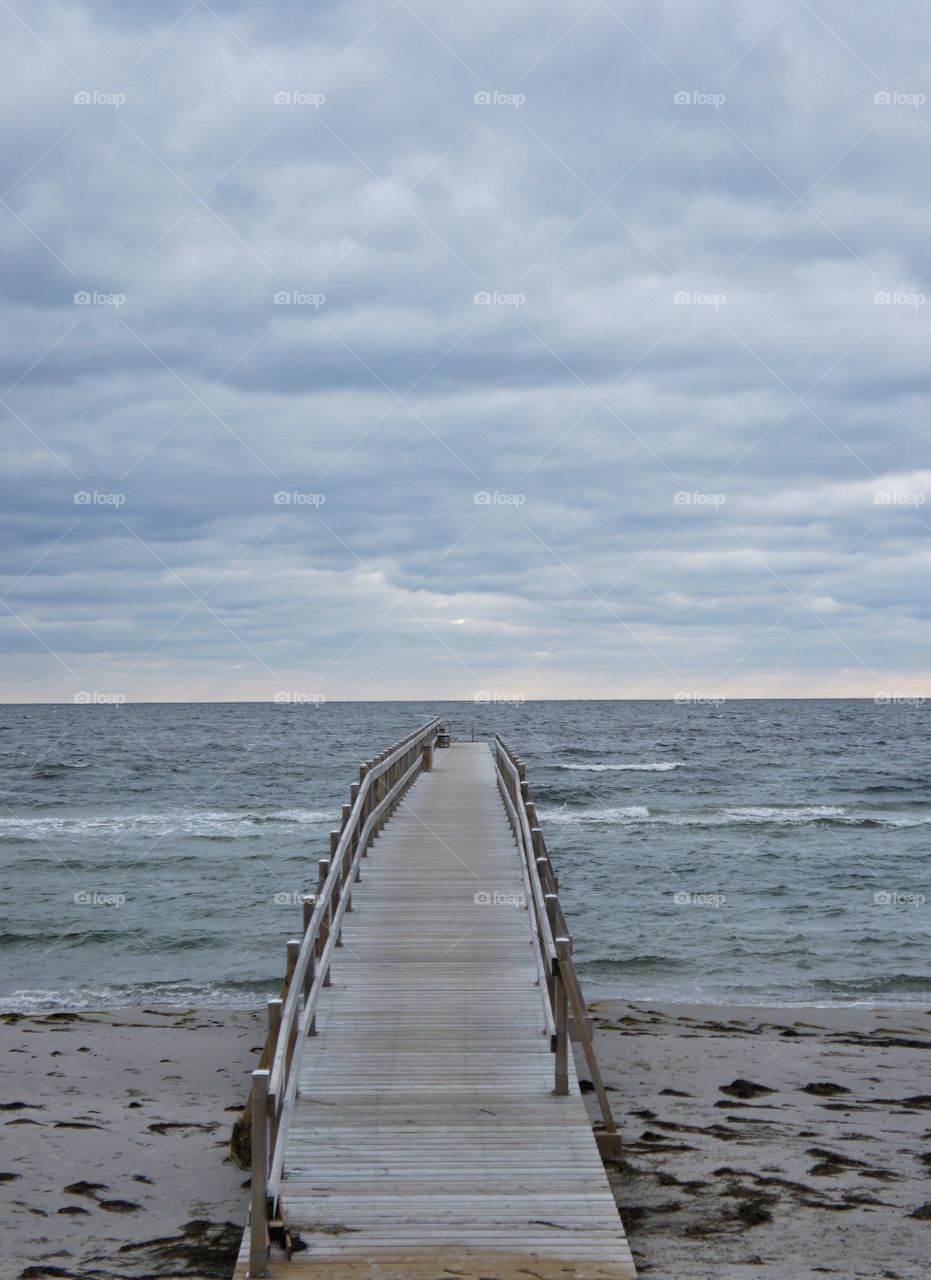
[601,370]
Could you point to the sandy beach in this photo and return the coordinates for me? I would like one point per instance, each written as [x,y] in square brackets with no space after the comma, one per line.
[115,1132]
[761,1144]
[771,1144]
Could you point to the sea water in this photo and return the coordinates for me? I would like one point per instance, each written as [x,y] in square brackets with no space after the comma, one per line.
[738,851]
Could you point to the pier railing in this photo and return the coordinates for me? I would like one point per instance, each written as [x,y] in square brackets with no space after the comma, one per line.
[382,783]
[559,982]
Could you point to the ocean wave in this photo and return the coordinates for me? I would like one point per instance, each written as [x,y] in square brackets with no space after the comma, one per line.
[763,815]
[663,766]
[53,768]
[72,938]
[892,983]
[173,995]
[800,813]
[208,824]
[626,813]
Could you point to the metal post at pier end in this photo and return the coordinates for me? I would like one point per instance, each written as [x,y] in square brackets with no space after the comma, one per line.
[258,1223]
[561,1018]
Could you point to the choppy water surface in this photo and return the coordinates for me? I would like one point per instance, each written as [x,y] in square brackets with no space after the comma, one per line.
[751,851]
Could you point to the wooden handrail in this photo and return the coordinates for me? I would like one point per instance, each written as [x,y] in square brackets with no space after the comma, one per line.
[562,993]
[381,786]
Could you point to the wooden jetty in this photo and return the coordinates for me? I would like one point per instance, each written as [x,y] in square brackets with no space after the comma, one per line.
[419,1116]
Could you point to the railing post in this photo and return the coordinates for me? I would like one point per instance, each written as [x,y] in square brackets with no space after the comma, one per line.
[274,1026]
[353,797]
[293,946]
[308,983]
[543,872]
[258,1226]
[324,931]
[293,951]
[309,903]
[367,802]
[427,757]
[561,1018]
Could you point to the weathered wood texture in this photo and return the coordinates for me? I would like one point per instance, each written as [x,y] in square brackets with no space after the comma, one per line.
[426,1138]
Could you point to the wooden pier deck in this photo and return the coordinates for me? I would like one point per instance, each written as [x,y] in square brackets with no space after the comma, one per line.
[424,1138]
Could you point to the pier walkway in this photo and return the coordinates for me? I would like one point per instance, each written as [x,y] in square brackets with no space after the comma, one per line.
[426,1120]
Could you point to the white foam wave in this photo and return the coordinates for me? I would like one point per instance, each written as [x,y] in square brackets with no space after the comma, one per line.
[751,815]
[661,766]
[626,813]
[184,823]
[800,813]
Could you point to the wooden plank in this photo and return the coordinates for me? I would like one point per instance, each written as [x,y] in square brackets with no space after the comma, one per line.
[426,1136]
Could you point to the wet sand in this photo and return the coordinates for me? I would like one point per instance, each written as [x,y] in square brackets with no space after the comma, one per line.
[767,1144]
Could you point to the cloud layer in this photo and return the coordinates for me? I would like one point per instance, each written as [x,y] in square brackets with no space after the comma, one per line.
[385,351]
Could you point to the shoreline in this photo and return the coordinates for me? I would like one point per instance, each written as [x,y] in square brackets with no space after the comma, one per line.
[760,1142]
[595,995]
